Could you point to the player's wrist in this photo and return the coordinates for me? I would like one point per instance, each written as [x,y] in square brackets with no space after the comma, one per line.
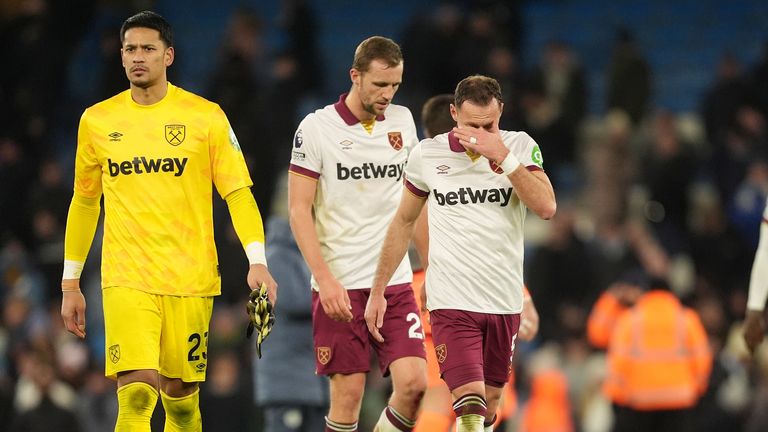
[70,285]
[509,164]
[72,269]
[256,253]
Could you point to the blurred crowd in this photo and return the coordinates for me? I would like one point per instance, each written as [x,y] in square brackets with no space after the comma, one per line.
[643,194]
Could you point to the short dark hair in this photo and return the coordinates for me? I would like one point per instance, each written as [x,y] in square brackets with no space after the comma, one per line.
[436,115]
[377,48]
[478,89]
[150,20]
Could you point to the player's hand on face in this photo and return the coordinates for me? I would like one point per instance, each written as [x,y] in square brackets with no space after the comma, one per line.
[374,315]
[73,308]
[258,273]
[335,300]
[485,143]
[754,329]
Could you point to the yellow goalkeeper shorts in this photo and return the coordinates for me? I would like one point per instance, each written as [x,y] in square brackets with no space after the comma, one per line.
[150,331]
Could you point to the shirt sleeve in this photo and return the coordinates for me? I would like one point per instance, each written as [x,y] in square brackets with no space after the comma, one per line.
[527,151]
[306,157]
[228,166]
[87,167]
[413,134]
[758,280]
[246,217]
[414,178]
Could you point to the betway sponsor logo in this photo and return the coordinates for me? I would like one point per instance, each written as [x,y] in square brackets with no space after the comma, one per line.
[369,170]
[142,165]
[474,196]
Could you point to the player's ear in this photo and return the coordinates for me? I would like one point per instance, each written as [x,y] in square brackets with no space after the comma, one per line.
[354,76]
[170,54]
[454,113]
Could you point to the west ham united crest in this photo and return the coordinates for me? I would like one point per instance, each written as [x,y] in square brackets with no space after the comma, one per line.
[441,351]
[395,140]
[175,134]
[114,353]
[323,355]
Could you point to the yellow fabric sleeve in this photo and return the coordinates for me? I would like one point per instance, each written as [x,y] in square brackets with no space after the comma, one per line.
[245,216]
[81,225]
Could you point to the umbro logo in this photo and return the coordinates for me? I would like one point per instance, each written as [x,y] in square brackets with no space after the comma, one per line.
[346,144]
[442,169]
[115,136]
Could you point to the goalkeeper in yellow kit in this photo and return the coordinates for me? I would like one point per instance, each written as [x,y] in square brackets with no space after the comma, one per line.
[154,151]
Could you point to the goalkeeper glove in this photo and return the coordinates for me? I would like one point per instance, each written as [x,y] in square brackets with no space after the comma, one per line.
[261,316]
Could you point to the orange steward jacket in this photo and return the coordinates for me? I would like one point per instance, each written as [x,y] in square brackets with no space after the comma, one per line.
[602,319]
[658,356]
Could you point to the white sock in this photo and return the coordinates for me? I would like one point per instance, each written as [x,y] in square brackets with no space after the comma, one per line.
[392,421]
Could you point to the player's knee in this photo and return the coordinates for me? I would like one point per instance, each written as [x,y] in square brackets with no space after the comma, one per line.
[352,397]
[347,389]
[413,387]
[137,399]
[183,410]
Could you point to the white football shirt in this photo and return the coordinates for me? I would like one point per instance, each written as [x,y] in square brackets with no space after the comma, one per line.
[475,224]
[360,178]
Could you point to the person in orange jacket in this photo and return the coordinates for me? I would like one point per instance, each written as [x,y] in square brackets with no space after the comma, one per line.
[619,297]
[658,363]
[549,408]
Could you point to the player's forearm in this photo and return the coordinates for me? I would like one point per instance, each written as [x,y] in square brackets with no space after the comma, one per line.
[392,252]
[82,219]
[303,227]
[758,281]
[535,191]
[421,238]
[248,224]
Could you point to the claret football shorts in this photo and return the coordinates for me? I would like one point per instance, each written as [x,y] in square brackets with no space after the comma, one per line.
[473,346]
[342,347]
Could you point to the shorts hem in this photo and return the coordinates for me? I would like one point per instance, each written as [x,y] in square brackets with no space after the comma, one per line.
[112,374]
[344,372]
[460,382]
[202,379]
[493,383]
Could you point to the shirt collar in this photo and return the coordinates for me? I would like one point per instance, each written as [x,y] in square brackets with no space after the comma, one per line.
[454,143]
[346,114]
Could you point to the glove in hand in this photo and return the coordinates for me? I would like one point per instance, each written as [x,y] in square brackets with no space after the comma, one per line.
[261,316]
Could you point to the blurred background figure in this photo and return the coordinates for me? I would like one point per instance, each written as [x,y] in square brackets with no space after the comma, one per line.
[293,397]
[43,402]
[659,363]
[629,78]
[548,408]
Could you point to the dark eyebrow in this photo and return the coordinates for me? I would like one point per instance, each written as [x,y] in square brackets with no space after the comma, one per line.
[149,45]
[385,83]
[478,125]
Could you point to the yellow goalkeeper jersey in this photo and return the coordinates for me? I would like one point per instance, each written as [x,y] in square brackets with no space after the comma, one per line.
[155,165]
